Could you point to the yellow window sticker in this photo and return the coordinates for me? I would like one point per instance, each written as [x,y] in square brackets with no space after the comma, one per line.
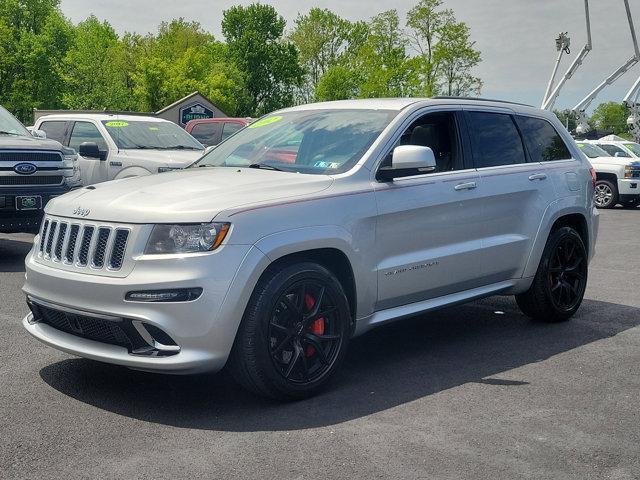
[117,124]
[265,121]
[154,129]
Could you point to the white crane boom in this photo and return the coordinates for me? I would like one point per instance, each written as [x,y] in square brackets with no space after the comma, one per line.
[563,44]
[550,99]
[632,100]
[581,107]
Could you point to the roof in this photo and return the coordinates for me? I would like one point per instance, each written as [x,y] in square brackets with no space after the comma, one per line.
[402,103]
[100,117]
[185,99]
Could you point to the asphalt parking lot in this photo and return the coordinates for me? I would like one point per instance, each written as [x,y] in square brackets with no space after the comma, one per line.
[476,391]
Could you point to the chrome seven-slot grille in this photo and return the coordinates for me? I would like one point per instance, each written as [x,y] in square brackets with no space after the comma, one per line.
[83,245]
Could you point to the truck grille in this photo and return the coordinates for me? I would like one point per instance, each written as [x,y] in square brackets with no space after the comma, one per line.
[83,245]
[37,180]
[31,157]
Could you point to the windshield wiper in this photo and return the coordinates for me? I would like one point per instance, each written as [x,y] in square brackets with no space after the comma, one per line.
[2,132]
[265,166]
[177,147]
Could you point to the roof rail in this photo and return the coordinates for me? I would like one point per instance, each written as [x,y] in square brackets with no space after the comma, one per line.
[479,99]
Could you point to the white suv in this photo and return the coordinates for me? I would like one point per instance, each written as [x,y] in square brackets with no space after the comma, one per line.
[121,146]
[310,226]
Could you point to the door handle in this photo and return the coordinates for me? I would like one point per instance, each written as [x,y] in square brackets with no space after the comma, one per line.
[465,186]
[538,176]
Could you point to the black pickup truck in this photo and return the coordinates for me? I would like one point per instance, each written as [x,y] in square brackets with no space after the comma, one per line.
[32,171]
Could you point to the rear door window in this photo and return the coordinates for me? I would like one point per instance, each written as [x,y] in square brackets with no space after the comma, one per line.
[55,130]
[207,134]
[495,140]
[542,140]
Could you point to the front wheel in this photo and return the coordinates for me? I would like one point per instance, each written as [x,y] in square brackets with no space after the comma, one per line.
[560,282]
[606,194]
[294,333]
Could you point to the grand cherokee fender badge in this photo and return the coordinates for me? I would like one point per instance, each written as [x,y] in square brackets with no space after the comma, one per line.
[412,268]
[81,212]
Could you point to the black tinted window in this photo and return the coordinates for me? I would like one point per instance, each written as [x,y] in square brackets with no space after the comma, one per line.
[54,130]
[542,140]
[495,140]
[207,133]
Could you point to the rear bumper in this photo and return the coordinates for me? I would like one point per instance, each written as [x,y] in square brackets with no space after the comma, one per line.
[25,221]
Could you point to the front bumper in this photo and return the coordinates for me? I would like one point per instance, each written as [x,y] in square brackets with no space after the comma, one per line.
[204,330]
[629,187]
[25,221]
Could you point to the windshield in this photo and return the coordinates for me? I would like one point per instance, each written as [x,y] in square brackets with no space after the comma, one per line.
[140,134]
[592,151]
[634,147]
[9,125]
[309,141]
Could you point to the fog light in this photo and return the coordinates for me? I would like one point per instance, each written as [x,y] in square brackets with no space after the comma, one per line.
[165,296]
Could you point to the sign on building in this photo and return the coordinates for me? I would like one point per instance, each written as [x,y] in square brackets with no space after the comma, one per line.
[194,111]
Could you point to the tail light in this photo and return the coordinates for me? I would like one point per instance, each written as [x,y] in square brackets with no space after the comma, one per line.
[594,176]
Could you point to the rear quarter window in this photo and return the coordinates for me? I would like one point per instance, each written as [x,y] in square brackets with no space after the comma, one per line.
[543,141]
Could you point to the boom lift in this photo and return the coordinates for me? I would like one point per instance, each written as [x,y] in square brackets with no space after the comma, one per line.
[563,43]
[632,100]
[580,109]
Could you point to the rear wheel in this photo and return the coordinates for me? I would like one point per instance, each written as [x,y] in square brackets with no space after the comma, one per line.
[560,282]
[294,334]
[606,194]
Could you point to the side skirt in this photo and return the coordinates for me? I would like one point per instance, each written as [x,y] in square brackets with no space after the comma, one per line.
[382,317]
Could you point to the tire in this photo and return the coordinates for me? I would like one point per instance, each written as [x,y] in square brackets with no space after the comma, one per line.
[560,282]
[298,314]
[606,194]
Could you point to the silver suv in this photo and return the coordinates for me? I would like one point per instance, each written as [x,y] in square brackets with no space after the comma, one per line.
[309,227]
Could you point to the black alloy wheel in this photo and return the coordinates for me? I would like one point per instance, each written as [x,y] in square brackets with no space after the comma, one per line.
[304,334]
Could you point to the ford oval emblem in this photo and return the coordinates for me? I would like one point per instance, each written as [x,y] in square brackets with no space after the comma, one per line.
[25,168]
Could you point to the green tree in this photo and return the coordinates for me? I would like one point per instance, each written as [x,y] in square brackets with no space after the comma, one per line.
[611,117]
[184,58]
[96,69]
[321,37]
[268,62]
[338,83]
[446,54]
[34,37]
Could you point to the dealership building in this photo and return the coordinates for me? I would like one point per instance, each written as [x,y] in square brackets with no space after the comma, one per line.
[191,107]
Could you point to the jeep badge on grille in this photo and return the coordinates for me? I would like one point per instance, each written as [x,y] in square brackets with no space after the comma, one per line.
[81,212]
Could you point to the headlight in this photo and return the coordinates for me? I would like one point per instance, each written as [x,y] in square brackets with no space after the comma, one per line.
[204,237]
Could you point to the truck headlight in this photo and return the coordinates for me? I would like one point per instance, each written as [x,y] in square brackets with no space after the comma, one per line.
[204,237]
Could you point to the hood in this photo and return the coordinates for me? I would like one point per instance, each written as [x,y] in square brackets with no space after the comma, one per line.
[614,161]
[169,158]
[12,142]
[188,196]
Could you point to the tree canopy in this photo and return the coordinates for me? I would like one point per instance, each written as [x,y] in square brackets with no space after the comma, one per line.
[258,66]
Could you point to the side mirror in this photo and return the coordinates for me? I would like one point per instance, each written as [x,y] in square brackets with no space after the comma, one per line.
[408,160]
[38,133]
[91,150]
[619,154]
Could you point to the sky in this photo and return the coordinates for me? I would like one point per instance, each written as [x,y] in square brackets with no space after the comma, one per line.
[516,37]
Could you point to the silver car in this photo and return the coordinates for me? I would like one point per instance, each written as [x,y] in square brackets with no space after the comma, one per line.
[309,227]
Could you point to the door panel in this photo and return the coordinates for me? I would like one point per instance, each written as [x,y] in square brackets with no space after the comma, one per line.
[518,193]
[428,237]
[92,170]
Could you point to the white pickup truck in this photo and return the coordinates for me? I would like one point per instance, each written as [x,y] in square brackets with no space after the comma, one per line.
[120,146]
[618,178]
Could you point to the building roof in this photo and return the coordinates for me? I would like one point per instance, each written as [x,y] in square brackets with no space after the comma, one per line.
[183,100]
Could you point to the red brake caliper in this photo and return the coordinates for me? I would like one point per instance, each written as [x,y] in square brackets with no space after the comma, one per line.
[317,327]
